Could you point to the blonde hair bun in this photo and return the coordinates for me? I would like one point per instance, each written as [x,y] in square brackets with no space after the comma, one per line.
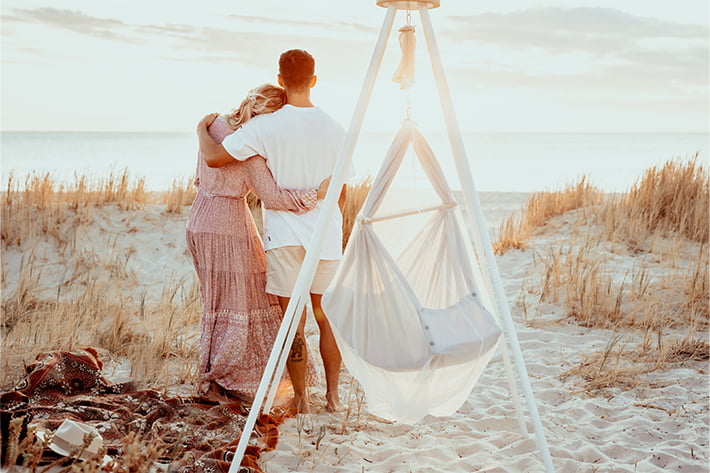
[266,98]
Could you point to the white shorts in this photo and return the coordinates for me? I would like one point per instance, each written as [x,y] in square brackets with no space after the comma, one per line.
[282,268]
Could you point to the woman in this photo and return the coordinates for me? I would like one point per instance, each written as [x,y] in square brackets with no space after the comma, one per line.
[239,320]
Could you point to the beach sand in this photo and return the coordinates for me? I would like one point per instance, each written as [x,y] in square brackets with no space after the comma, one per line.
[662,425]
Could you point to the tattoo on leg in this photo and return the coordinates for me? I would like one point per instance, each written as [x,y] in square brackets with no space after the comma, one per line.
[297,348]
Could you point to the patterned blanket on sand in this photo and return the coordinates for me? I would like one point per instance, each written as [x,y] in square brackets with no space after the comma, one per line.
[185,434]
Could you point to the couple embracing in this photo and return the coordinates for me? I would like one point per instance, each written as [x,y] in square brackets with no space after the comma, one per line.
[284,149]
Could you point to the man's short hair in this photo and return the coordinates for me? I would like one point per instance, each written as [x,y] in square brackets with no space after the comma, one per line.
[297,68]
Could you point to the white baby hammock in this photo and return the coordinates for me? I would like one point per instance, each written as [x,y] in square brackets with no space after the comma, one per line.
[413,331]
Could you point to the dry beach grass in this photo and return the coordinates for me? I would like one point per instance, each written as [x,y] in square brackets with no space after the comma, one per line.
[629,270]
[660,228]
[94,300]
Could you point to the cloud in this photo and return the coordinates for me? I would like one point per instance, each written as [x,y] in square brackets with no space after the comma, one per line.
[334,27]
[257,49]
[595,30]
[30,56]
[243,31]
[251,40]
[582,48]
[76,21]
[612,81]
[693,59]
[637,70]
[618,51]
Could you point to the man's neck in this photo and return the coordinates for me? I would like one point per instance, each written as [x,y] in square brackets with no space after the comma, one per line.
[299,99]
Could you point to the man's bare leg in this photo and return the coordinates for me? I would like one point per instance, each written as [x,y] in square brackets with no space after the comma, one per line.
[329,352]
[297,361]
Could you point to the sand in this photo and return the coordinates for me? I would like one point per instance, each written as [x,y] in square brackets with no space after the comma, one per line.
[660,426]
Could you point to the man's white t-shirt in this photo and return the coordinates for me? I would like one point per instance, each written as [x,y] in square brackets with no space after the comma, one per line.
[301,146]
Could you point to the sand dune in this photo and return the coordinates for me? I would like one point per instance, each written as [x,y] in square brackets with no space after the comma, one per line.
[656,428]
[659,426]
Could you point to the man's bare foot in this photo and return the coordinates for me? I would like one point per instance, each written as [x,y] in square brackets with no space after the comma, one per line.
[333,401]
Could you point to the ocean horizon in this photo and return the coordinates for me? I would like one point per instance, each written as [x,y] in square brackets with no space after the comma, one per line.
[499,161]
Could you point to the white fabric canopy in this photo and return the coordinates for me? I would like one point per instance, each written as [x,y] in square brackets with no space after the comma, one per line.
[412,328]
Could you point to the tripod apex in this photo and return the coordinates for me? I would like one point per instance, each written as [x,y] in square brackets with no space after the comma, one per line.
[409,4]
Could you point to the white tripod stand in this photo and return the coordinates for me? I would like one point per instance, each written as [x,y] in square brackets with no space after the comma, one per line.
[475,220]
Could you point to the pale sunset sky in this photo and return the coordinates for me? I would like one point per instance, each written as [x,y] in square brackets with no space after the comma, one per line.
[517,65]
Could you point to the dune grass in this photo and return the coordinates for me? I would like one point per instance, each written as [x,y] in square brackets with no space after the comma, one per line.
[153,336]
[623,362]
[516,230]
[656,320]
[664,214]
[39,205]
[355,195]
[93,302]
[659,229]
[90,306]
[181,193]
[670,199]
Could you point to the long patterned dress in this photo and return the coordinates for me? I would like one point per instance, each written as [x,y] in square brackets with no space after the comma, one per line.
[239,320]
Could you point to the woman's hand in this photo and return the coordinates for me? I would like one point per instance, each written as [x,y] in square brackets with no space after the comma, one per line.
[207,120]
[323,188]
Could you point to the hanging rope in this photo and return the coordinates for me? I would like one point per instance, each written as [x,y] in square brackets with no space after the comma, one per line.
[404,75]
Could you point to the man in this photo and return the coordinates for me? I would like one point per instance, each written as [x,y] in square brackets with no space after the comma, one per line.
[301,144]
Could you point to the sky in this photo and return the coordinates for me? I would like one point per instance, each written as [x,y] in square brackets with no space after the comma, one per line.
[516,65]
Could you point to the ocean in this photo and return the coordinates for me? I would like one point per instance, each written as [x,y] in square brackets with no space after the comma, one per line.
[500,162]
